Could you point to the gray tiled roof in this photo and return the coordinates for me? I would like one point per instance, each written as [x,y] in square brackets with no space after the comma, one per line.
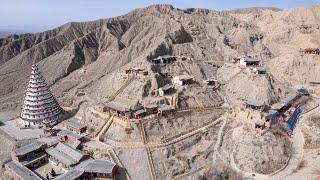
[259,122]
[74,122]
[184,77]
[50,141]
[21,134]
[100,166]
[70,175]
[89,166]
[164,57]
[251,60]
[137,69]
[23,172]
[29,148]
[65,132]
[139,112]
[165,107]
[65,154]
[33,158]
[261,69]
[254,102]
[289,99]
[151,106]
[271,115]
[167,87]
[211,79]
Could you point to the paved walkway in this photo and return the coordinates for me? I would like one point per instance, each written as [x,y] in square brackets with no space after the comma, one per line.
[104,129]
[120,90]
[149,157]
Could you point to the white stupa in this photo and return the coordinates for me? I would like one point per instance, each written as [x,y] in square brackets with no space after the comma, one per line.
[40,107]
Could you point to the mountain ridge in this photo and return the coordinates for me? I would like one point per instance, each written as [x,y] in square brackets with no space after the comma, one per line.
[107,45]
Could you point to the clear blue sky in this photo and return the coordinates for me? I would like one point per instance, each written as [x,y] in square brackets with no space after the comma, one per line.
[39,15]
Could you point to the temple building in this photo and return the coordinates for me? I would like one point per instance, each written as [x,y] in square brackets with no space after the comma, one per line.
[165,59]
[291,123]
[164,110]
[94,169]
[167,89]
[182,80]
[310,51]
[17,171]
[248,61]
[72,139]
[211,82]
[65,155]
[40,107]
[31,155]
[255,104]
[74,125]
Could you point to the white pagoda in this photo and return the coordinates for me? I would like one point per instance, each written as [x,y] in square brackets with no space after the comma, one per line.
[40,107]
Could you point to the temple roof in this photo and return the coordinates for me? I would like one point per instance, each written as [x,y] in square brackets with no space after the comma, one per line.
[89,166]
[65,132]
[165,107]
[167,87]
[75,123]
[23,172]
[100,166]
[254,102]
[248,59]
[302,91]
[65,154]
[29,148]
[184,77]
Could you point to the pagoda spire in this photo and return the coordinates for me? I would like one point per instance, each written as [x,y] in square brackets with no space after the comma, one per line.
[40,107]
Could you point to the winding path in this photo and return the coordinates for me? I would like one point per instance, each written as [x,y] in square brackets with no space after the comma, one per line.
[296,154]
[297,147]
[288,168]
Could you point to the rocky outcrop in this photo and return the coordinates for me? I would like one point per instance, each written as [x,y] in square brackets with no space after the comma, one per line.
[180,36]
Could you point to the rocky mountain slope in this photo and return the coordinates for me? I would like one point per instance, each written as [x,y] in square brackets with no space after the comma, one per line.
[81,55]
[84,64]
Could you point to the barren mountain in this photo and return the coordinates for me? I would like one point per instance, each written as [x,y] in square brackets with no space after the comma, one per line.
[102,47]
[84,64]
